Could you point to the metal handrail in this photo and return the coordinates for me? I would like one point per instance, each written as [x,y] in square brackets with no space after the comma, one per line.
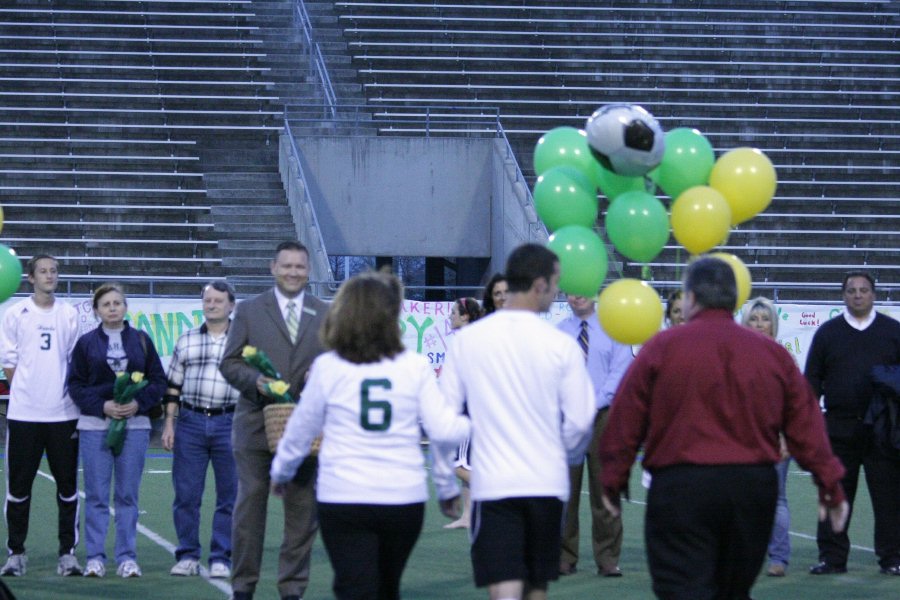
[326,289]
[480,120]
[317,64]
[320,241]
[538,228]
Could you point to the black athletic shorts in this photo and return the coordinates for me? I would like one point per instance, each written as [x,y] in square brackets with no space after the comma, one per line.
[516,539]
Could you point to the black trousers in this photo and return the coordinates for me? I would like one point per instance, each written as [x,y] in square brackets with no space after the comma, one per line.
[856,448]
[25,445]
[707,529]
[368,546]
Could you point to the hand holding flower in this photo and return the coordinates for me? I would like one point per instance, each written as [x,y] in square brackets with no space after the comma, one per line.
[114,410]
[278,390]
[122,406]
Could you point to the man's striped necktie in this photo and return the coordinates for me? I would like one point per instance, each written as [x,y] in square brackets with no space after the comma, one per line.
[292,321]
[583,339]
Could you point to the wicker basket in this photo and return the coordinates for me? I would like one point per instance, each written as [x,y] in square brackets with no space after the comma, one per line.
[276,417]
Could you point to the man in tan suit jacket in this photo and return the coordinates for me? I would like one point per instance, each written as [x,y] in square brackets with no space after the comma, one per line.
[267,322]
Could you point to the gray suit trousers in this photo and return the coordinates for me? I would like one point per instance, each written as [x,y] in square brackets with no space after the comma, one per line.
[249,526]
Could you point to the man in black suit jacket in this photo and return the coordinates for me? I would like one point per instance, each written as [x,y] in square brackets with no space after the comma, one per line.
[283,322]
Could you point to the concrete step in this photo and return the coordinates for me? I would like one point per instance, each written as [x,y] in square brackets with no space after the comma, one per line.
[247,245]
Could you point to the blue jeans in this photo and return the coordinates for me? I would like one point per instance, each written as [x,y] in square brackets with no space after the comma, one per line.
[780,542]
[99,466]
[198,440]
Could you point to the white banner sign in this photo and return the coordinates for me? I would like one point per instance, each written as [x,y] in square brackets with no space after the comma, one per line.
[425,326]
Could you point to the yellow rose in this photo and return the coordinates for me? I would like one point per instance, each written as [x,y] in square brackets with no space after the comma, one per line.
[137,377]
[248,351]
[279,387]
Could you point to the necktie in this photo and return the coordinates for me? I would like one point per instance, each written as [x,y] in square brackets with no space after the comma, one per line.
[292,321]
[583,339]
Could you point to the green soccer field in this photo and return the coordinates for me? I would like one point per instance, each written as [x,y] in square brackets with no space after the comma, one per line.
[439,567]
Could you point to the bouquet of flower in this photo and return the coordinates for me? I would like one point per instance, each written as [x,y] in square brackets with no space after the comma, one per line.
[259,360]
[277,389]
[125,388]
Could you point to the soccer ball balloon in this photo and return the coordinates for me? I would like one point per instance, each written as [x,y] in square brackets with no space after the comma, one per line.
[625,139]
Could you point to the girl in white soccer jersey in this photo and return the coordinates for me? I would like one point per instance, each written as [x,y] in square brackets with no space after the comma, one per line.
[368,396]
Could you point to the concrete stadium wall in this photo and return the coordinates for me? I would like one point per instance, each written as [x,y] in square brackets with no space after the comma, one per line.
[402,196]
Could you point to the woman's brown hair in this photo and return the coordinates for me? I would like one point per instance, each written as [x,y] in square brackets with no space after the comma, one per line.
[362,325]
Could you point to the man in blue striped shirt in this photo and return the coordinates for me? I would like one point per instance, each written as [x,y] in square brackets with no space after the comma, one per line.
[606,362]
[199,411]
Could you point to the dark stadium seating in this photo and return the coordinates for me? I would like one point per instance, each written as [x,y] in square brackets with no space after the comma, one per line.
[138,133]
[812,84]
[119,112]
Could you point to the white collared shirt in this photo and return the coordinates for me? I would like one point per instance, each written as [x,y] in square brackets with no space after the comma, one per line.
[283,302]
[857,324]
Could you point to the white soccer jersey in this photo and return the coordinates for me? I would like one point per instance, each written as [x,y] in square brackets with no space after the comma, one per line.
[38,343]
[369,415]
[530,399]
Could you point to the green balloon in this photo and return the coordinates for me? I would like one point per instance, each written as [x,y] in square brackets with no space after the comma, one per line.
[564,196]
[582,260]
[614,185]
[10,272]
[687,162]
[566,146]
[637,225]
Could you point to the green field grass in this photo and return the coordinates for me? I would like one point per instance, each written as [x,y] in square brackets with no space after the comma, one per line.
[439,567]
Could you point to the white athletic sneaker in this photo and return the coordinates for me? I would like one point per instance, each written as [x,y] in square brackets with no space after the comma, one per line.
[68,566]
[185,568]
[15,565]
[129,568]
[95,568]
[219,570]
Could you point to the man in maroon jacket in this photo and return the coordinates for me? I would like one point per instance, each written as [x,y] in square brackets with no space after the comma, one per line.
[707,401]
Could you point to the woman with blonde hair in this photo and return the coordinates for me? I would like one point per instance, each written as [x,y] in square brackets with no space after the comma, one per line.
[367,396]
[760,315]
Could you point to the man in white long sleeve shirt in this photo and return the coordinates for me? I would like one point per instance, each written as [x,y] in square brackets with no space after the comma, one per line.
[531,402]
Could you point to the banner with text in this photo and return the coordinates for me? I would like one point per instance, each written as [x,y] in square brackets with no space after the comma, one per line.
[425,326]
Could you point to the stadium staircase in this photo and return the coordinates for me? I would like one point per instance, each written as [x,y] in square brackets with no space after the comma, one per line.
[813,84]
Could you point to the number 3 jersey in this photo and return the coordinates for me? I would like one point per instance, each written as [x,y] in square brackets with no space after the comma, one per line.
[369,415]
[38,343]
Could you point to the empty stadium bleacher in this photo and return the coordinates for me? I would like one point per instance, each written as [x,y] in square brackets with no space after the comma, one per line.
[812,84]
[114,116]
[120,112]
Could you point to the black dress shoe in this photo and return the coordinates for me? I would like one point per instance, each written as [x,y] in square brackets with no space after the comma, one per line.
[895,570]
[824,568]
[609,572]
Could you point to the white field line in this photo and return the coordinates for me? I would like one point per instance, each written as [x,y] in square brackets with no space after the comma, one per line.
[162,542]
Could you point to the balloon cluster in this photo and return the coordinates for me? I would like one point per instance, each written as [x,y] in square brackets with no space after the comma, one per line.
[623,153]
[10,269]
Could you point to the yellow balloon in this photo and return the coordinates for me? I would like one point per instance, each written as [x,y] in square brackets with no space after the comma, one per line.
[630,311]
[741,276]
[747,180]
[700,219]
